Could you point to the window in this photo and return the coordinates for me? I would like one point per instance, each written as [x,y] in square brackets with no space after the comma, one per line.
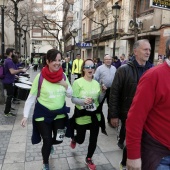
[143,6]
[38,42]
[84,28]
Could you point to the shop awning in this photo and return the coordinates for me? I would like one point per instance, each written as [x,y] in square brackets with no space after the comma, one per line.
[146,34]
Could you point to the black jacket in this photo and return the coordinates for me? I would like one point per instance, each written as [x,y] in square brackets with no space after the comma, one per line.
[69,67]
[123,88]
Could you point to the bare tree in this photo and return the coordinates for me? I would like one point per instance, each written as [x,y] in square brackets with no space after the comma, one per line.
[21,14]
[103,13]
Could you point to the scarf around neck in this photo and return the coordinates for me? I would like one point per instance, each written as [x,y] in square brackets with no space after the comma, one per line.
[52,77]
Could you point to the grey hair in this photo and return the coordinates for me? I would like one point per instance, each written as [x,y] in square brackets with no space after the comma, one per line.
[167,50]
[137,43]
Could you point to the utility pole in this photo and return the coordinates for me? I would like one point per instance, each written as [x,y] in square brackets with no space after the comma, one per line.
[15,26]
[134,19]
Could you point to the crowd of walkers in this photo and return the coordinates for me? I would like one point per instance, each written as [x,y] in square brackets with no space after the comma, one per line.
[137,94]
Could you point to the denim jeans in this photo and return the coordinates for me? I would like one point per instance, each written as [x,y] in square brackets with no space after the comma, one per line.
[164,163]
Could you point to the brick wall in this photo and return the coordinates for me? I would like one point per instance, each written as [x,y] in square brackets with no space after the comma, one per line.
[163,38]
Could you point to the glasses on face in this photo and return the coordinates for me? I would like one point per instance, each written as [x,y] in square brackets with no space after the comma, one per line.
[89,67]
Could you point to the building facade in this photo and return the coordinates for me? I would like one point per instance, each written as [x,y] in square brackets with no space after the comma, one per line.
[137,20]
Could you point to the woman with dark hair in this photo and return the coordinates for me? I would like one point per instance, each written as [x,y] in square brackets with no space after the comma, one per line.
[87,93]
[49,90]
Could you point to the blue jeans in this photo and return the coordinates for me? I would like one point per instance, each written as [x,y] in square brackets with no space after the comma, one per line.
[164,163]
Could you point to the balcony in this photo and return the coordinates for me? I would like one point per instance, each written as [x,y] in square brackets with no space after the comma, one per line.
[89,9]
[87,36]
[99,3]
[69,17]
[109,31]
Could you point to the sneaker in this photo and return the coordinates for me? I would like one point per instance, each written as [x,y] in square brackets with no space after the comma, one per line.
[45,167]
[120,145]
[12,108]
[16,102]
[9,114]
[90,164]
[122,167]
[52,150]
[73,144]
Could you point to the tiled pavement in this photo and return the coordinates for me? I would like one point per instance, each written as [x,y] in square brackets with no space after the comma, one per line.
[17,152]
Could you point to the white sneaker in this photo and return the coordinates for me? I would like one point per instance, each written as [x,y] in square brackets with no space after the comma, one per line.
[121,167]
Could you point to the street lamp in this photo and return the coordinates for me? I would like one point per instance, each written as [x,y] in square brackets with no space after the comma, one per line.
[3,4]
[116,12]
[74,34]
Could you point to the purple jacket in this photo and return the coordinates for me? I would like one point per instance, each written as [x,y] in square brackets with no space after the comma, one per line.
[9,78]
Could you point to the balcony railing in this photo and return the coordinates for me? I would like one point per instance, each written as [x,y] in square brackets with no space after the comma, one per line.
[99,3]
[69,17]
[87,36]
[89,9]
[109,30]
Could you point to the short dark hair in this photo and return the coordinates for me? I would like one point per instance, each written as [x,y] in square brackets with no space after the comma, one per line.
[9,50]
[51,54]
[115,57]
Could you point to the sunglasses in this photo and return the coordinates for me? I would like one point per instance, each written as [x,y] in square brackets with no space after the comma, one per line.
[89,67]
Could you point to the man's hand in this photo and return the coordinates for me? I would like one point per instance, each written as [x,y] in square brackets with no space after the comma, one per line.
[23,70]
[103,88]
[114,122]
[133,164]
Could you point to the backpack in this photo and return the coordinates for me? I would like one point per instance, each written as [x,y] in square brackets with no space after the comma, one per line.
[2,73]
[41,78]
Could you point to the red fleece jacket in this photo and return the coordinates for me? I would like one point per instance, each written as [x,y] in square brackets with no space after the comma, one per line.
[150,110]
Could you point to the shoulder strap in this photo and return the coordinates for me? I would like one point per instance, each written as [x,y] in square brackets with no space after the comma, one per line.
[39,84]
[64,77]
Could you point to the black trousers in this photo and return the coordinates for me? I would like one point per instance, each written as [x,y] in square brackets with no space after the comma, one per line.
[48,133]
[122,132]
[81,133]
[69,77]
[10,91]
[124,156]
[107,96]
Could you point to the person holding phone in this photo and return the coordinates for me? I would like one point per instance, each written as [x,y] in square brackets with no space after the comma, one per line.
[87,94]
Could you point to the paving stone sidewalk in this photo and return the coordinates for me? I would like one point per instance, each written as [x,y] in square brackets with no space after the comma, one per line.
[17,152]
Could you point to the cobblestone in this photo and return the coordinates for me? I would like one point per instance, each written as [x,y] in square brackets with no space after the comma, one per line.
[63,158]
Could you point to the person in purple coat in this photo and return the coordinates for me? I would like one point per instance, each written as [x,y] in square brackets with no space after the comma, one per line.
[116,62]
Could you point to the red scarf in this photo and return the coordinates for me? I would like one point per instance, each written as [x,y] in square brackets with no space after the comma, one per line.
[52,77]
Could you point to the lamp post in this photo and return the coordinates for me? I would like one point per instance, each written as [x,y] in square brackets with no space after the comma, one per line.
[116,12]
[74,34]
[2,5]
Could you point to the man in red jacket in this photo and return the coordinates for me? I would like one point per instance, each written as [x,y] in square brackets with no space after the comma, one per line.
[148,122]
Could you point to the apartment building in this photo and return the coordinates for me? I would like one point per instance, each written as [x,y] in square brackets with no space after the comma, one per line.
[137,20]
[152,24]
[42,36]
[98,25]
[72,33]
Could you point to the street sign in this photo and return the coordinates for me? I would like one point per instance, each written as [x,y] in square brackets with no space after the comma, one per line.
[163,4]
[84,45]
